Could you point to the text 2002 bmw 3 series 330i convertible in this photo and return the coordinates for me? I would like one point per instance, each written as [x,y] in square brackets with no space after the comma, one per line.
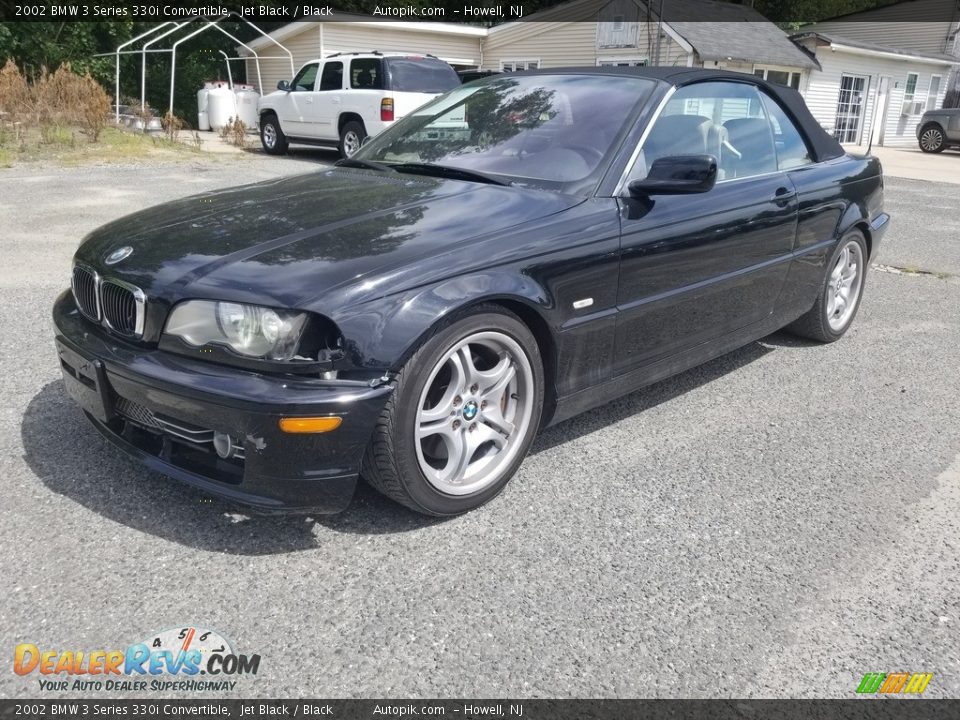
[519,250]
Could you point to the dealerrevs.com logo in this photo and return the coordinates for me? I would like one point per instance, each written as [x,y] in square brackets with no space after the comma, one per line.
[172,660]
[894,683]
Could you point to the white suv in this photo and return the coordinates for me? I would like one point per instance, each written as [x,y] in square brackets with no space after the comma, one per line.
[339,100]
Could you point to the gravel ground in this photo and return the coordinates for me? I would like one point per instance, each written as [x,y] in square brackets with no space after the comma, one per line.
[775,523]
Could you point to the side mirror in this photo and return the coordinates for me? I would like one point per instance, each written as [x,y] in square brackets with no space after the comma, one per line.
[366,139]
[677,175]
[283,85]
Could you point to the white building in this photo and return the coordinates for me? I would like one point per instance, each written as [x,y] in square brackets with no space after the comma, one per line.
[865,92]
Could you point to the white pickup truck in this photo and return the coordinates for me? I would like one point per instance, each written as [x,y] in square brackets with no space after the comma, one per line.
[339,100]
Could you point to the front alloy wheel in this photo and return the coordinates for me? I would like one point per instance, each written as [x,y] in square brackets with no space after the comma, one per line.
[271,136]
[474,413]
[464,411]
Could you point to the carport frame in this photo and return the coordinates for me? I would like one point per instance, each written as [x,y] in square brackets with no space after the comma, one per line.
[210,23]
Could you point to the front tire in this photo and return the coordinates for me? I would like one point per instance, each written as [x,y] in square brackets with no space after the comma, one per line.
[932,139]
[351,138]
[840,296]
[464,411]
[271,136]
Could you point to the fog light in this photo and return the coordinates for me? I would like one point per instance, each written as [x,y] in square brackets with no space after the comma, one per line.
[223,444]
[310,424]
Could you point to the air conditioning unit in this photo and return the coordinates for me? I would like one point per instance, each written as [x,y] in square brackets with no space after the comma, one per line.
[912,107]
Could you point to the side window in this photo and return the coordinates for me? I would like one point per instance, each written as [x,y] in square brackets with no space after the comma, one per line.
[332,78]
[366,74]
[306,78]
[792,150]
[723,119]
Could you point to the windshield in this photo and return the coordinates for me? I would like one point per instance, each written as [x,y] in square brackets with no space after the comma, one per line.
[542,130]
[420,74]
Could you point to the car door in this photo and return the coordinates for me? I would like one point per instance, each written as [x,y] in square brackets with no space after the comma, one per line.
[294,119]
[697,267]
[366,90]
[328,103]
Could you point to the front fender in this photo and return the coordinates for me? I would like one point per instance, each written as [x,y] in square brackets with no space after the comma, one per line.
[382,334]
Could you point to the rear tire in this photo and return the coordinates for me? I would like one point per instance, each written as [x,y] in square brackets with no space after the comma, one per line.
[464,411]
[271,136]
[932,139]
[351,138]
[839,298]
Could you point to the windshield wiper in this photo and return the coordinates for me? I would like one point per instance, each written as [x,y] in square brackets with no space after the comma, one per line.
[363,164]
[447,171]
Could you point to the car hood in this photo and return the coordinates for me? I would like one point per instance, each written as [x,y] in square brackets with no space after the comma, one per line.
[290,241]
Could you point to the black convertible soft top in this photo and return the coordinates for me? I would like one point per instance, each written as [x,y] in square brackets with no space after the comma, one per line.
[822,144]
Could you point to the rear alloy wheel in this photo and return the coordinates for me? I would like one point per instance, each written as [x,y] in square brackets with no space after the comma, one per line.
[351,138]
[839,299]
[463,414]
[272,137]
[932,139]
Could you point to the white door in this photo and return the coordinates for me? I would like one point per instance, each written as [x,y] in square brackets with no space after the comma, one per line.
[297,104]
[880,110]
[850,108]
[326,111]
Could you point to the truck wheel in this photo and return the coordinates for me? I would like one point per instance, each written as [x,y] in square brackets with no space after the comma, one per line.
[351,138]
[931,139]
[272,137]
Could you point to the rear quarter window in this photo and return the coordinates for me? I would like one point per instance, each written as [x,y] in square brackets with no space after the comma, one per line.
[425,75]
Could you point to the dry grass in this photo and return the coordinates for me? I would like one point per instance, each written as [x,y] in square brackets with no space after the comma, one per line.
[235,132]
[65,117]
[116,146]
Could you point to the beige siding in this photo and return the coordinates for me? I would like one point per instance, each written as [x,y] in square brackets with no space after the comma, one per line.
[344,37]
[321,39]
[304,46]
[823,89]
[925,37]
[565,44]
[645,39]
[554,44]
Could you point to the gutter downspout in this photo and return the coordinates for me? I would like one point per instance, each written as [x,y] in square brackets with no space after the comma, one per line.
[659,32]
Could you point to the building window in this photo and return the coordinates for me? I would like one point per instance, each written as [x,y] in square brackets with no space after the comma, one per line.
[617,23]
[911,88]
[932,92]
[623,62]
[790,78]
[518,65]
[910,107]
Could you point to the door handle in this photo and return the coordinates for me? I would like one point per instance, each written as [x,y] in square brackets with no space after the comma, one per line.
[783,195]
[308,100]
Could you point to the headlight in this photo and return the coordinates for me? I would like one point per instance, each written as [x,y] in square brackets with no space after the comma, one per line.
[249,330]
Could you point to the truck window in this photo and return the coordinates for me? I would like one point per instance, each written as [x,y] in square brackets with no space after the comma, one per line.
[366,74]
[420,74]
[332,78]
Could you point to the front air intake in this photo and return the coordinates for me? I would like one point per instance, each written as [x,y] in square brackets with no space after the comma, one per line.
[119,305]
[85,292]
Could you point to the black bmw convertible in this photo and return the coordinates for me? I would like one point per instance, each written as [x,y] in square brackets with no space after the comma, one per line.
[521,249]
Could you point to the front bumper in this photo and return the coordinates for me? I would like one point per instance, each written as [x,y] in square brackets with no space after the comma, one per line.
[162,409]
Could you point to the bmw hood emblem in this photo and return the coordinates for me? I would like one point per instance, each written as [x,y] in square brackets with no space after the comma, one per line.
[121,253]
